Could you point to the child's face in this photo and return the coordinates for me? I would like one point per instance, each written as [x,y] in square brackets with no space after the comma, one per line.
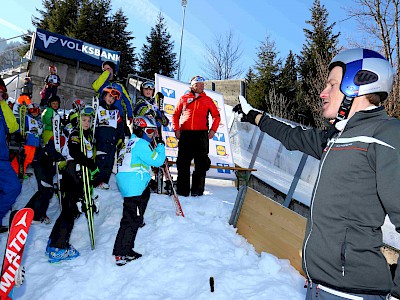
[86,122]
[34,114]
[109,99]
[54,105]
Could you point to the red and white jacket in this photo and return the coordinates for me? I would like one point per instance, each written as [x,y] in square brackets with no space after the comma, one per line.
[191,113]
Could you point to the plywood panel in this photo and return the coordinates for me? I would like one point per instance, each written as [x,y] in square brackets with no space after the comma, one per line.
[272,228]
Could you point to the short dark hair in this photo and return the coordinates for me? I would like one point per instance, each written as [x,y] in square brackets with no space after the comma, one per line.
[375,99]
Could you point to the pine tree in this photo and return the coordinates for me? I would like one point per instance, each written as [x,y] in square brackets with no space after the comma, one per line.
[266,74]
[122,40]
[157,56]
[318,50]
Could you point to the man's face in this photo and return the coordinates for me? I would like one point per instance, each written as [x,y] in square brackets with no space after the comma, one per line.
[332,96]
[198,87]
[109,69]
[54,105]
[147,92]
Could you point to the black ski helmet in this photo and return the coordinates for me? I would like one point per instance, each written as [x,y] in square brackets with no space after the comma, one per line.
[53,99]
[111,64]
[143,123]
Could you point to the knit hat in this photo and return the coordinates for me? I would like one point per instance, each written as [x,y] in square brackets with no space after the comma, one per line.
[110,63]
[196,79]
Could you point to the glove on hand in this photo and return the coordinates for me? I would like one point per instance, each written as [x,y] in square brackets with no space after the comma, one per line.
[246,107]
[249,113]
[159,140]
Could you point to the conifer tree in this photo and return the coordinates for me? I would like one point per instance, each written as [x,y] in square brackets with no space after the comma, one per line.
[157,55]
[320,47]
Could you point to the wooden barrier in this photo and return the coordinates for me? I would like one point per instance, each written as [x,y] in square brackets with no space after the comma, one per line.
[272,228]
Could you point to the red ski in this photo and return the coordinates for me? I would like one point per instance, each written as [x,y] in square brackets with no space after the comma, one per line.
[17,236]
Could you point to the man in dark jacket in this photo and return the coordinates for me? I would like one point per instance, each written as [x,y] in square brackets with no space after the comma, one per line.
[357,183]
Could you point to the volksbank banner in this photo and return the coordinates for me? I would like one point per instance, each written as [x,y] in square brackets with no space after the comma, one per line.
[67,47]
[220,147]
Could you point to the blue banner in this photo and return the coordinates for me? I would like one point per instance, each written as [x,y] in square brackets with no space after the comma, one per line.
[67,47]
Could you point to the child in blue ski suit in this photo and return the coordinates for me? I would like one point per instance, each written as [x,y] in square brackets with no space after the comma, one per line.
[134,162]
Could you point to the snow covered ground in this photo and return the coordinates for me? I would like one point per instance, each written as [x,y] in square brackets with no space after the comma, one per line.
[179,254]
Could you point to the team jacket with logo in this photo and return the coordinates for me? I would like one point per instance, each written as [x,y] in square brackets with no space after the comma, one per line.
[356,186]
[134,162]
[191,113]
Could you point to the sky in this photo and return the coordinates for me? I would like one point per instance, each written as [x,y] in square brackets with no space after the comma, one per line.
[249,21]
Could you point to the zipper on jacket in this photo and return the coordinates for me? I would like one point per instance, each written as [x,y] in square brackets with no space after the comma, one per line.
[330,143]
[343,251]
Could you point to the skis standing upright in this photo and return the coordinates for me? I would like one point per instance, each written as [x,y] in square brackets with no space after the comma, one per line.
[57,144]
[95,105]
[87,189]
[159,99]
[16,241]
[21,150]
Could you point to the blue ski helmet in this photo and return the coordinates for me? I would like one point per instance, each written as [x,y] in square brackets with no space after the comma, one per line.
[364,72]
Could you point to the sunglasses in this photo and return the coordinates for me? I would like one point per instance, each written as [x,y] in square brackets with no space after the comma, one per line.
[148,85]
[87,111]
[113,92]
[150,131]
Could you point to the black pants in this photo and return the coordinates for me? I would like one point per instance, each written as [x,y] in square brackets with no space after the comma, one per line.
[72,190]
[132,217]
[193,144]
[319,292]
[105,162]
[44,172]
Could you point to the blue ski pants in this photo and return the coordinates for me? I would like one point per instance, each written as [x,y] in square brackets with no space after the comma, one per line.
[10,187]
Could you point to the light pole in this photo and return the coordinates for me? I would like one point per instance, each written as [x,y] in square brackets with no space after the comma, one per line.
[184,3]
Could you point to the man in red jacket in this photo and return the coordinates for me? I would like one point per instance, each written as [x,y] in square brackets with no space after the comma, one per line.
[191,126]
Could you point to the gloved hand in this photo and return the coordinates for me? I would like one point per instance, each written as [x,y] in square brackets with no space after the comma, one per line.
[19,277]
[62,164]
[159,140]
[249,112]
[130,120]
[94,174]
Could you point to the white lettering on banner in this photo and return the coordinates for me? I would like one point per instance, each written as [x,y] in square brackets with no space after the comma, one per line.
[75,46]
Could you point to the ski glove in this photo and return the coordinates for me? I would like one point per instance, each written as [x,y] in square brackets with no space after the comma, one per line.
[19,277]
[249,113]
[159,140]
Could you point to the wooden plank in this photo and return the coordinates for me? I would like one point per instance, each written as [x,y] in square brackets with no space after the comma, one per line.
[272,228]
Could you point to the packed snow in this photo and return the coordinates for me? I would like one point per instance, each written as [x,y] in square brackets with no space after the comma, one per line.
[180,255]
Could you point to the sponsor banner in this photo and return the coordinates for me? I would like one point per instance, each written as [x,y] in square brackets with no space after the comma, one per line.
[67,47]
[220,148]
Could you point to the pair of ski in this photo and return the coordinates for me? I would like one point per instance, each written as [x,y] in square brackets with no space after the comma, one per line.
[89,205]
[163,171]
[18,233]
[87,188]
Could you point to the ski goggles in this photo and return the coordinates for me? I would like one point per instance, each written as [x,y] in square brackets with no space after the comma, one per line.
[148,85]
[88,111]
[113,92]
[150,131]
[197,79]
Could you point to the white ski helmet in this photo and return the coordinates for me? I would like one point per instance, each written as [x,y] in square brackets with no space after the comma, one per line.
[364,72]
[145,124]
